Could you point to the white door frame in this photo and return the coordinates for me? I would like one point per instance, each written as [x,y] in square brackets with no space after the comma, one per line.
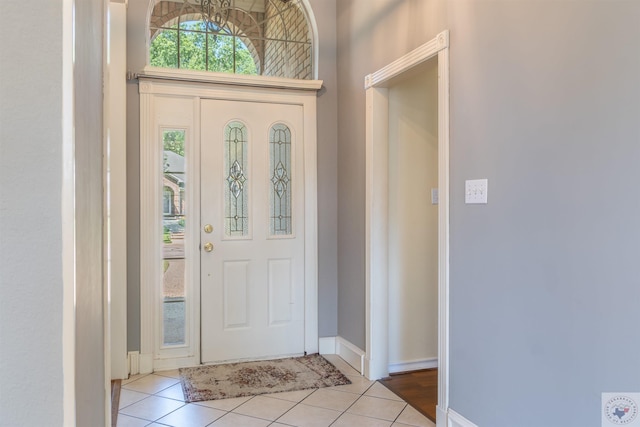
[196,85]
[377,214]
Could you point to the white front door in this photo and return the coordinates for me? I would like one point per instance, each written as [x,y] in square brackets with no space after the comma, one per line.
[252,230]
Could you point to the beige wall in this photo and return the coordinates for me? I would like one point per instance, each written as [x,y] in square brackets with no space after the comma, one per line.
[413,219]
[371,34]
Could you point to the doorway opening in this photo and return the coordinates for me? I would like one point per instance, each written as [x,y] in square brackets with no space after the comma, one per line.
[389,184]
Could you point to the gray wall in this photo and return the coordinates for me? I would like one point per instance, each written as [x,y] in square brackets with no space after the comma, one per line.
[371,34]
[31,170]
[545,103]
[325,12]
[30,216]
[545,283]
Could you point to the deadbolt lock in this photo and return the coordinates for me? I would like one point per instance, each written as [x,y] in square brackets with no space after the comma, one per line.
[208,228]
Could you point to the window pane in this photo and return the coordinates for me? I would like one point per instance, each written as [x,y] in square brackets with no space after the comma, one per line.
[164,49]
[280,170]
[193,50]
[236,190]
[173,236]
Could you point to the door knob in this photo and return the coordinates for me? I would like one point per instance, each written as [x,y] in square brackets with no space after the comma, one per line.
[208,228]
[208,247]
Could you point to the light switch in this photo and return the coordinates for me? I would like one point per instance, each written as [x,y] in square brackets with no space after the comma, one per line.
[475,191]
[434,196]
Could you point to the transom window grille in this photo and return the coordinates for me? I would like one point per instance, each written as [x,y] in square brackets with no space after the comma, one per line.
[260,37]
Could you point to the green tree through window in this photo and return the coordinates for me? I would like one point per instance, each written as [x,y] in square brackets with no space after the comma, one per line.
[192,47]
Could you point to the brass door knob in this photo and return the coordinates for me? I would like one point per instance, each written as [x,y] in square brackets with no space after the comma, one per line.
[208,247]
[208,228]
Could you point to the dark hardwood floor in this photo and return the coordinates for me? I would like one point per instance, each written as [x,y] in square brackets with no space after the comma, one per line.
[417,388]
[115,401]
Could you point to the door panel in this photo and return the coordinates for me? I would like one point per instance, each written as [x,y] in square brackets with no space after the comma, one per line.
[252,193]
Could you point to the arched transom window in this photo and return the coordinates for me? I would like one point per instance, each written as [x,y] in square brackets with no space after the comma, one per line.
[260,37]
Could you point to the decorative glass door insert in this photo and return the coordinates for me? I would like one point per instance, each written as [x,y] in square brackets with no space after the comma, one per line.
[237,182]
[280,170]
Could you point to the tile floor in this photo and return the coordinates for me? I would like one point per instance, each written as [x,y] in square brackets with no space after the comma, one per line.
[157,400]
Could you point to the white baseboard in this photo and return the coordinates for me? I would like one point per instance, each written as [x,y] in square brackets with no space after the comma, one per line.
[146,363]
[457,420]
[413,365]
[327,345]
[134,362]
[350,353]
[441,417]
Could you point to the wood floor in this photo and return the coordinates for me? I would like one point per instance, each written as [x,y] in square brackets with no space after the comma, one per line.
[115,401]
[417,388]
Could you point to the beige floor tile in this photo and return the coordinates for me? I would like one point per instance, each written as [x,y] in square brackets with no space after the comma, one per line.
[378,390]
[173,373]
[128,397]
[237,420]
[133,378]
[191,416]
[127,421]
[339,363]
[309,416]
[152,408]
[359,385]
[375,407]
[408,425]
[174,392]
[331,399]
[412,417]
[150,384]
[224,404]
[266,408]
[292,396]
[352,420]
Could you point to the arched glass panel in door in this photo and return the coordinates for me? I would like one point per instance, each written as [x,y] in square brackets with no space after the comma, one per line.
[281,181]
[236,184]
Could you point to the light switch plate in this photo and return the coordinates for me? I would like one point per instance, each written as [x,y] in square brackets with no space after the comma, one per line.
[434,196]
[475,191]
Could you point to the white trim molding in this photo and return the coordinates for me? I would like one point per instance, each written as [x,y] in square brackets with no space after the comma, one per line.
[228,79]
[413,365]
[350,353]
[457,420]
[376,222]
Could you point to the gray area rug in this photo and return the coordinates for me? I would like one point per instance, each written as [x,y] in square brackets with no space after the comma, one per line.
[214,382]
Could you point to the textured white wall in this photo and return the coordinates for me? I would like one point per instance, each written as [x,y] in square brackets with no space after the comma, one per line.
[413,219]
[30,216]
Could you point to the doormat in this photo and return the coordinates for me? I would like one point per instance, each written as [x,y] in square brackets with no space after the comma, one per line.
[213,382]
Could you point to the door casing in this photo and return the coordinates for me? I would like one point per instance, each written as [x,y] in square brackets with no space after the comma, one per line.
[190,87]
[377,217]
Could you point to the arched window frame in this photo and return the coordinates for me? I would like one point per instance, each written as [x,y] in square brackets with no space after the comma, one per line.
[304,6]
